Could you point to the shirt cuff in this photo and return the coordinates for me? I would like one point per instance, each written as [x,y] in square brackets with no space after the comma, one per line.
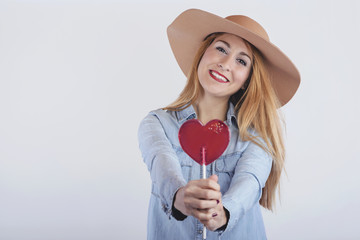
[176,213]
[221,229]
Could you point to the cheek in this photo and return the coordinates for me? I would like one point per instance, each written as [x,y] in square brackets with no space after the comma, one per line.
[201,66]
[201,74]
[210,56]
[204,64]
[241,77]
[204,60]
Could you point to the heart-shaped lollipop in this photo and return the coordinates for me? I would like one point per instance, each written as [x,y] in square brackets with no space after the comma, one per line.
[204,144]
[210,140]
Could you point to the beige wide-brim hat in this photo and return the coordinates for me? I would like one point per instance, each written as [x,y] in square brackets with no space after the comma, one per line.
[191,27]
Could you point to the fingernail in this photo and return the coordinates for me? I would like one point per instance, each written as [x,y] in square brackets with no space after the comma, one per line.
[217,201]
[214,215]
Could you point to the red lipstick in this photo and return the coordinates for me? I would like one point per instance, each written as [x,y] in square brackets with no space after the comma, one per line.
[218,76]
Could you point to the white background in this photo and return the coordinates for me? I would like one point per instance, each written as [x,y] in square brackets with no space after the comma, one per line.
[77,77]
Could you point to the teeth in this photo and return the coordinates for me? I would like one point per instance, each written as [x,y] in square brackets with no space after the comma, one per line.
[219,76]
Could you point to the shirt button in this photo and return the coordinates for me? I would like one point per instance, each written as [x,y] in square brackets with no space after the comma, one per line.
[200,231]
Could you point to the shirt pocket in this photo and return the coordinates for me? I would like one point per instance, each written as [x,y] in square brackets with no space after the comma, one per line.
[225,169]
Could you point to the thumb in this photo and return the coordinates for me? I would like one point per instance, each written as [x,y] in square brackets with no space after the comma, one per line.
[214,178]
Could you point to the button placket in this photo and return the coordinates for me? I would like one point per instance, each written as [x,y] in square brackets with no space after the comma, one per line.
[199,230]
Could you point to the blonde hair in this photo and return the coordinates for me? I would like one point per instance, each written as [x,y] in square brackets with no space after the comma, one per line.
[256,108]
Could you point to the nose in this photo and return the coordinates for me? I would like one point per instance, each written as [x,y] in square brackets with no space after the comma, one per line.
[224,65]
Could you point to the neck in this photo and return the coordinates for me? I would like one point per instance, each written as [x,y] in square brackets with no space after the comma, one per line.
[208,109]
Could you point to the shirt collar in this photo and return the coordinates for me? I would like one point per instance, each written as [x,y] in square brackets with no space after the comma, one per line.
[186,114]
[231,116]
[189,113]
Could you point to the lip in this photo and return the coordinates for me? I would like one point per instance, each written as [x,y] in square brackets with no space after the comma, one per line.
[217,79]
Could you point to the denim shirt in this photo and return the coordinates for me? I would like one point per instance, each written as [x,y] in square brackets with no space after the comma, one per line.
[242,172]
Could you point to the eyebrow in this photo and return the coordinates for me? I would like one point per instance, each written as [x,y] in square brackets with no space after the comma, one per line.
[228,45]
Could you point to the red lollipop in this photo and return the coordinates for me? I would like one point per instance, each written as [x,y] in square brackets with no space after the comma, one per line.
[210,140]
[204,144]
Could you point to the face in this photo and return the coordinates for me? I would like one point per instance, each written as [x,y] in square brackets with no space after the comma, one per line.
[225,66]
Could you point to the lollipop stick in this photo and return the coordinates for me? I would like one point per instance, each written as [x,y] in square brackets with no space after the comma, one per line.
[203,154]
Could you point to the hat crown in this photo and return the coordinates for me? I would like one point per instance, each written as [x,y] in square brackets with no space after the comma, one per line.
[249,24]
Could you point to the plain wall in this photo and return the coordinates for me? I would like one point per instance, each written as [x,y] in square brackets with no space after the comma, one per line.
[77,77]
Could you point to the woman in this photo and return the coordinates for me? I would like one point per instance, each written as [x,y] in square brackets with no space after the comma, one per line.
[236,75]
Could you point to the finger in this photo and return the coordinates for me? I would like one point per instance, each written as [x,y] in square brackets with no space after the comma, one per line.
[202,215]
[210,225]
[202,193]
[209,183]
[200,203]
[208,194]
[214,177]
[213,223]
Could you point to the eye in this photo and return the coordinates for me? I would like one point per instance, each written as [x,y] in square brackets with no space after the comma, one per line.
[241,61]
[220,49]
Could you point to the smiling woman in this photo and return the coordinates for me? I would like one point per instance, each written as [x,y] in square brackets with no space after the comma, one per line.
[236,75]
[224,61]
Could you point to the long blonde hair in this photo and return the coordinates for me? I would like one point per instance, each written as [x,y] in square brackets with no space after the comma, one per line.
[256,108]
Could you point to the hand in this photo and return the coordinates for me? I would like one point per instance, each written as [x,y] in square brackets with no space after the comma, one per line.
[218,219]
[202,199]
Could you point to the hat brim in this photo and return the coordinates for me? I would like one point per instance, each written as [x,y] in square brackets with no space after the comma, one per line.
[190,28]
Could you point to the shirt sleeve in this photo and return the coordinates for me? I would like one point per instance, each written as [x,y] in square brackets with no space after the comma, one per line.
[161,160]
[251,173]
